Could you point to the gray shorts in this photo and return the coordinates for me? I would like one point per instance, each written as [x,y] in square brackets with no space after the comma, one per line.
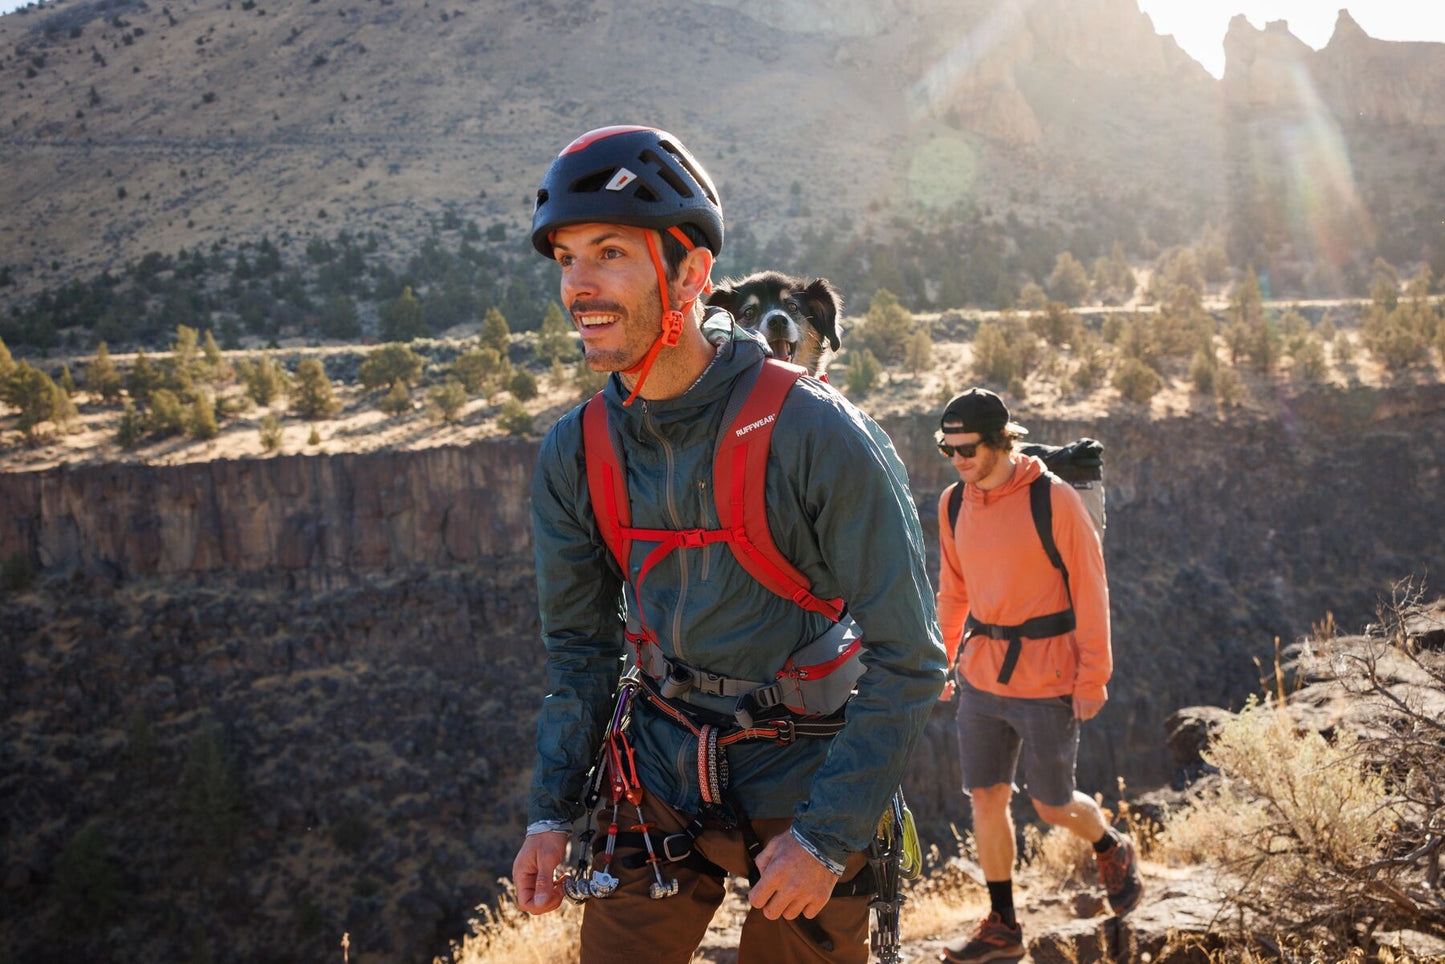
[993,729]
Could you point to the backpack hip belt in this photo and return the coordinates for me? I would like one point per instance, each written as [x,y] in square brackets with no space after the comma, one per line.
[1039,627]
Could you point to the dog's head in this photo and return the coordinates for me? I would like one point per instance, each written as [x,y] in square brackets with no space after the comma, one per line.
[797,317]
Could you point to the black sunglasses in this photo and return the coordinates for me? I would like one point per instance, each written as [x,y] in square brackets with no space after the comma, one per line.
[966,451]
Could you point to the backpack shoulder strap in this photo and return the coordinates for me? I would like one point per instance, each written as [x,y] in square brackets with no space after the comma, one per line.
[606,480]
[955,504]
[740,466]
[1041,505]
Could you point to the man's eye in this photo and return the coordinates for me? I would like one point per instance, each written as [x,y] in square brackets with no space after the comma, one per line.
[610,253]
[564,259]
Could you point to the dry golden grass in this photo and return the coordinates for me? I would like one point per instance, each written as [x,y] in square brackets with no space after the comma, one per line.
[506,934]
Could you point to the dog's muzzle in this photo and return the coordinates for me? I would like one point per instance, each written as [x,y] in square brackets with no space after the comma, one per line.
[781,334]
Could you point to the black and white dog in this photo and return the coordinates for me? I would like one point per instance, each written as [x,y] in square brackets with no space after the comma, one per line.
[798,317]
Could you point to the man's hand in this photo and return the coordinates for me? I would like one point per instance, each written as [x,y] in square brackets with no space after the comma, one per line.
[537,861]
[792,881]
[947,693]
[1086,709]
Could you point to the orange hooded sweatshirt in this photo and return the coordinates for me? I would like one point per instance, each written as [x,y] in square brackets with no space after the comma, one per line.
[996,566]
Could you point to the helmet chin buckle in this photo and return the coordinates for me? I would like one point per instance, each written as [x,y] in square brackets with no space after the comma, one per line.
[671,327]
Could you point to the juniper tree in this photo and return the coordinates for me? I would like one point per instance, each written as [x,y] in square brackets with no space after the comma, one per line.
[1068,282]
[554,337]
[264,379]
[311,395]
[101,377]
[477,367]
[201,419]
[448,399]
[392,365]
[396,402]
[522,385]
[34,396]
[143,379]
[403,319]
[495,332]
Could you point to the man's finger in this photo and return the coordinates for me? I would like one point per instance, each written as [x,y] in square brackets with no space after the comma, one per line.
[766,856]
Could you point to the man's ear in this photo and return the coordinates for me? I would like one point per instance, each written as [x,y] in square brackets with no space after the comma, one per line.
[825,304]
[693,274]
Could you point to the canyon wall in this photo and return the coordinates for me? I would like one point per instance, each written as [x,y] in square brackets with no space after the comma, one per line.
[325,669]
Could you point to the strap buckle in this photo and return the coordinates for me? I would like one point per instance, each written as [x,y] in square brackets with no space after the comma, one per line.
[691,538]
[677,846]
[786,733]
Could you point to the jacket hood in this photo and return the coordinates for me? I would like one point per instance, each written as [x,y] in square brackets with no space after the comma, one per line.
[1026,469]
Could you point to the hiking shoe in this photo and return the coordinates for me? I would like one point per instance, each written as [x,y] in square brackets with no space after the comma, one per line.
[991,941]
[1119,871]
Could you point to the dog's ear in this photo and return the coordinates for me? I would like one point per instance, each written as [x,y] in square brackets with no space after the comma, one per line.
[725,298]
[825,304]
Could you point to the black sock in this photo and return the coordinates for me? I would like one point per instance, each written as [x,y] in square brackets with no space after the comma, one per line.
[1001,900]
[1106,843]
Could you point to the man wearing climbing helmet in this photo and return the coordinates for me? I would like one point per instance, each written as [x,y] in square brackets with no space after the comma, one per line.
[745,536]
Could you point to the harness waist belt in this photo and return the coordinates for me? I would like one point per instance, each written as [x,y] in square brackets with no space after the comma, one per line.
[1039,627]
[782,729]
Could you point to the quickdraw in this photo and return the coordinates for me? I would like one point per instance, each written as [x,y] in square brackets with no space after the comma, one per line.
[616,767]
[892,854]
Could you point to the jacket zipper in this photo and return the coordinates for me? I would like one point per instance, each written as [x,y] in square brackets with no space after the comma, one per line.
[672,515]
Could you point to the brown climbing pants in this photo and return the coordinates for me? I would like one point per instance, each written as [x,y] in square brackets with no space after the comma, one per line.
[629,927]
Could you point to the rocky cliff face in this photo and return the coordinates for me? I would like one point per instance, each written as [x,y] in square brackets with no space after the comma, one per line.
[334,514]
[1355,77]
[325,670]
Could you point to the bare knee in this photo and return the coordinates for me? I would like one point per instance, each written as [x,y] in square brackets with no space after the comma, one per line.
[991,801]
[1055,816]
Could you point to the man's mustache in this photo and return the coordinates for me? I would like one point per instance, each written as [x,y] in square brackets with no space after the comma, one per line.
[581,306]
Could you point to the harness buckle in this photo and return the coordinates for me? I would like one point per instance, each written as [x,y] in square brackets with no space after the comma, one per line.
[677,846]
[786,732]
[678,681]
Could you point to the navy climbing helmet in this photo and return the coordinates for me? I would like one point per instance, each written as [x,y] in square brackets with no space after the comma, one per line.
[639,176]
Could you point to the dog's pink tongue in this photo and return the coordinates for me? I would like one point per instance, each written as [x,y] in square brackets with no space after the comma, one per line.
[782,349]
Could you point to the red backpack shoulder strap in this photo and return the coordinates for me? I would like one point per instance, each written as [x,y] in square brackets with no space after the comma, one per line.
[606,481]
[740,468]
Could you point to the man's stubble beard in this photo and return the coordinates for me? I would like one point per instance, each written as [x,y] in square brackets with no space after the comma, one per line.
[600,359]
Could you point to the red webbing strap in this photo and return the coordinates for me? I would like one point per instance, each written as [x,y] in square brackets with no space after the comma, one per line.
[739,489]
[605,482]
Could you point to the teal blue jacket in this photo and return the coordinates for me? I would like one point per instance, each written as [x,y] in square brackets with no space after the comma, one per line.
[839,509]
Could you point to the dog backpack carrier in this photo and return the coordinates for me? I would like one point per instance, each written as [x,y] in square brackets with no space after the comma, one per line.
[1081,465]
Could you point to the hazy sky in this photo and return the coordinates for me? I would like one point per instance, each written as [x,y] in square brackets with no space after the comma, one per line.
[1199,25]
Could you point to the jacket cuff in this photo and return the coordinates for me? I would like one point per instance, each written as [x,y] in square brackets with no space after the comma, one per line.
[549,826]
[833,866]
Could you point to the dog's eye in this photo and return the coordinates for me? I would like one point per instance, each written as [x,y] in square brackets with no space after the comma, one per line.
[750,311]
[792,306]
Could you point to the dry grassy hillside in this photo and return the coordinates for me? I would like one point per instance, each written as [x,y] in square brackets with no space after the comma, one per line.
[131,127]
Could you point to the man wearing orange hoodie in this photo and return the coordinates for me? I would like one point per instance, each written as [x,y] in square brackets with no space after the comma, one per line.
[1035,656]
